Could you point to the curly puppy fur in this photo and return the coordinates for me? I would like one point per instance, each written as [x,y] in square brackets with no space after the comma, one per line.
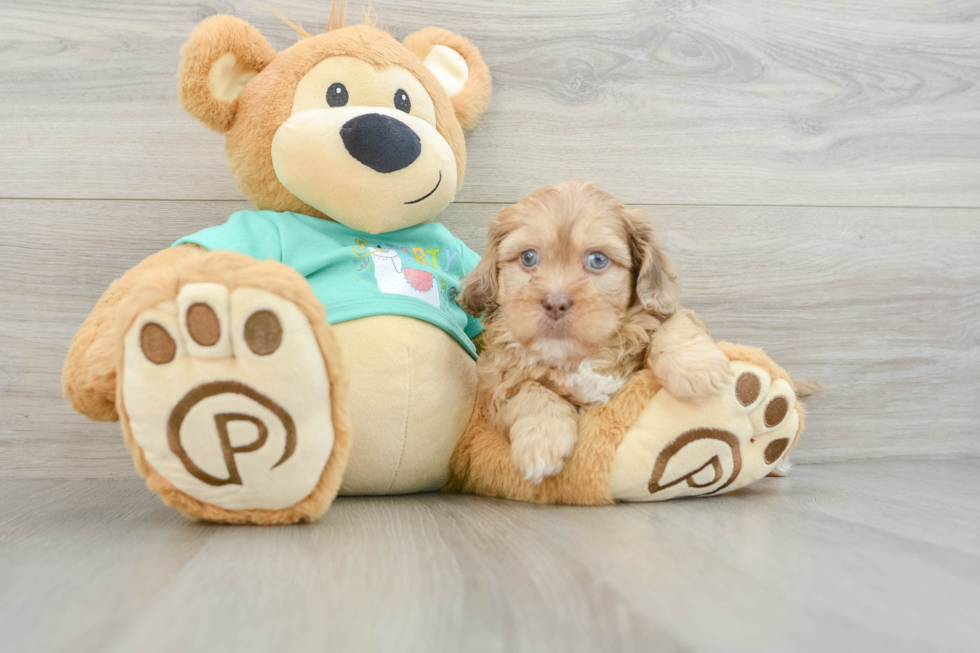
[563,336]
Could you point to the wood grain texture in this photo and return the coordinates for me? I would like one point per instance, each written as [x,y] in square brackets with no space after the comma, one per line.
[881,304]
[662,102]
[881,556]
[693,109]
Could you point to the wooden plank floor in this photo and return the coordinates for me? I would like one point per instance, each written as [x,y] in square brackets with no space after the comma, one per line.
[879,556]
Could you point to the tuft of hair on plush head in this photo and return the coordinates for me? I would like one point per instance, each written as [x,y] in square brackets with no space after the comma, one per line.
[338,15]
[298,27]
[338,18]
[371,17]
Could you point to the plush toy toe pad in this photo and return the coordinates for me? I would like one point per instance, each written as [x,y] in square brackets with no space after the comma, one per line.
[707,446]
[227,396]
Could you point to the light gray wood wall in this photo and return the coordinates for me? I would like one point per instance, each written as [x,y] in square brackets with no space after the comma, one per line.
[814,169]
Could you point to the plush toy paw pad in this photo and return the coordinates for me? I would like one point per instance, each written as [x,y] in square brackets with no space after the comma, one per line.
[711,446]
[747,388]
[203,325]
[157,345]
[227,395]
[263,332]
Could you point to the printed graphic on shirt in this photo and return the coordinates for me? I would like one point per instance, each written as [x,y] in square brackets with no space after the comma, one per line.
[393,279]
[452,292]
[360,247]
[433,257]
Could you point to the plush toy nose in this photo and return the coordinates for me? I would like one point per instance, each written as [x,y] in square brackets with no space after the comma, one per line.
[556,304]
[381,142]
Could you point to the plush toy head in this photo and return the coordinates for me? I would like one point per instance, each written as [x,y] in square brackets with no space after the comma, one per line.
[349,125]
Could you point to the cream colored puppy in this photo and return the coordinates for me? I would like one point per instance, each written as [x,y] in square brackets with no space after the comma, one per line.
[577,296]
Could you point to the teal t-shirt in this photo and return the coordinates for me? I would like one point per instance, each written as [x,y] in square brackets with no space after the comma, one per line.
[414,272]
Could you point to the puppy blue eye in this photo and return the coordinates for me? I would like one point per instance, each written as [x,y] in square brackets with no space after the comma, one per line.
[529,258]
[598,260]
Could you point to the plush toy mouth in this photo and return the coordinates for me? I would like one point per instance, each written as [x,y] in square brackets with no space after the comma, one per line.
[429,193]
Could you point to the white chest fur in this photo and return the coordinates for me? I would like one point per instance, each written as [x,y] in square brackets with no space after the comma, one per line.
[591,387]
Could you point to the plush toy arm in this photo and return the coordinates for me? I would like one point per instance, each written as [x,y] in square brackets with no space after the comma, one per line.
[686,359]
[88,378]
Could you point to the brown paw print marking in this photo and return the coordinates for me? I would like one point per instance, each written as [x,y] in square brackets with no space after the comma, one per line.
[747,388]
[203,324]
[157,345]
[774,450]
[687,438]
[221,420]
[776,411]
[263,332]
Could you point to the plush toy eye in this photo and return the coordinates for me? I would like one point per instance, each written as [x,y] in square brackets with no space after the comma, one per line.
[337,95]
[402,103]
[598,260]
[529,258]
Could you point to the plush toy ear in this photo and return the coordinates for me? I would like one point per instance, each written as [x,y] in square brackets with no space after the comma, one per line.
[222,54]
[458,66]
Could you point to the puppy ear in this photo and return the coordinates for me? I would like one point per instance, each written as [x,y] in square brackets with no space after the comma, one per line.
[458,66]
[479,294]
[657,288]
[222,54]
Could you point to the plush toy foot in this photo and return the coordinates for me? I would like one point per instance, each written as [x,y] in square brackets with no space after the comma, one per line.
[708,446]
[225,399]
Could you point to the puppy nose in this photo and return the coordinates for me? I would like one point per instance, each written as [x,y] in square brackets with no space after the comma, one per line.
[381,142]
[556,304]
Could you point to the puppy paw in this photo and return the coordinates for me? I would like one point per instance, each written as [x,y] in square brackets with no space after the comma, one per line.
[694,371]
[539,448]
